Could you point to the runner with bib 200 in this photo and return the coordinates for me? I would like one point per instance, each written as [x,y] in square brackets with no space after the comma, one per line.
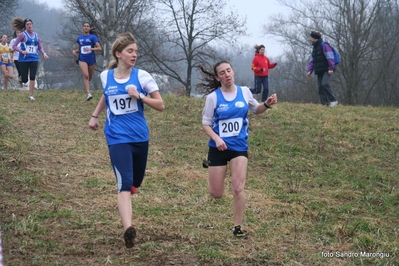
[225,121]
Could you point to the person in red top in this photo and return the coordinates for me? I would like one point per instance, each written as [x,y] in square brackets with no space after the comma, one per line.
[261,65]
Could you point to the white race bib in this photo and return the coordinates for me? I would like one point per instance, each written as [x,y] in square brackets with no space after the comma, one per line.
[122,104]
[5,56]
[230,127]
[85,49]
[32,49]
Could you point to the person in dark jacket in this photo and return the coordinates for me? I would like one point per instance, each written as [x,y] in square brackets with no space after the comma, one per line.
[322,64]
[260,66]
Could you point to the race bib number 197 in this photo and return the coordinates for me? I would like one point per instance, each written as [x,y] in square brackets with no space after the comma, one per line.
[230,127]
[122,104]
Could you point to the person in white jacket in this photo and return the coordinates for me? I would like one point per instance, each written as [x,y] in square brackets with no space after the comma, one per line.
[15,55]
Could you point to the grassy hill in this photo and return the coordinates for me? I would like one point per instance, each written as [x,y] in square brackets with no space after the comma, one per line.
[322,187]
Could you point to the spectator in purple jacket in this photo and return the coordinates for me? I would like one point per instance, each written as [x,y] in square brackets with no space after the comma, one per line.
[322,64]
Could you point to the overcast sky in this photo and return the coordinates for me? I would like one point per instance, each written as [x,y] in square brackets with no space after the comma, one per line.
[257,13]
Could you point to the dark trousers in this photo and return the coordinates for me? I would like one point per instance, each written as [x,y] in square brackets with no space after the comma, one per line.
[17,66]
[28,69]
[259,81]
[325,93]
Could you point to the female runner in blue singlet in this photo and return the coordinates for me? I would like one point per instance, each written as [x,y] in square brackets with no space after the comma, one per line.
[88,44]
[225,121]
[29,49]
[126,90]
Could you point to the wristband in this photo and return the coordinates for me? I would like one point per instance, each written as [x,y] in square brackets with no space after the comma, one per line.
[267,106]
[94,116]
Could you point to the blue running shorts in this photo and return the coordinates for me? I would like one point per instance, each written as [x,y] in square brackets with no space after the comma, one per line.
[129,161]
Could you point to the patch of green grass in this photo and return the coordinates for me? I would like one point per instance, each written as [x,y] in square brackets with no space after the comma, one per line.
[92,183]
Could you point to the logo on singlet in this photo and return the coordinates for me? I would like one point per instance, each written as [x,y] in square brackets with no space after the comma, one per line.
[239,104]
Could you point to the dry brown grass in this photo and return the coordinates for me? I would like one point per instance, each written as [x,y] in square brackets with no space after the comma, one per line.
[319,180]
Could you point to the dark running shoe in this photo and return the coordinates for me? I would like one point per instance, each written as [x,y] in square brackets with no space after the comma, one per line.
[238,233]
[129,236]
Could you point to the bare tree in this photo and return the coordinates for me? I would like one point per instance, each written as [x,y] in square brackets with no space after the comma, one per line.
[190,33]
[363,31]
[108,17]
[385,73]
[46,22]
[7,8]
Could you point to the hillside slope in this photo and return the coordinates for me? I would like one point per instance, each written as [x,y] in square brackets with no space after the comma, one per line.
[322,187]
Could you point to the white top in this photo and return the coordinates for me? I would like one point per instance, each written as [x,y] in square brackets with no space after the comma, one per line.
[210,104]
[16,53]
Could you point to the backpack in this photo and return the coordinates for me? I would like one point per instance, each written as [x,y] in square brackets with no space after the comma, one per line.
[337,58]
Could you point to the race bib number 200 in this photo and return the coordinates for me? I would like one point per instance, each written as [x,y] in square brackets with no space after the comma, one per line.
[230,127]
[122,104]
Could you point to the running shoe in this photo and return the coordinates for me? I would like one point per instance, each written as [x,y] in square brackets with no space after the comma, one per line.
[238,233]
[31,98]
[129,236]
[333,104]
[89,97]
